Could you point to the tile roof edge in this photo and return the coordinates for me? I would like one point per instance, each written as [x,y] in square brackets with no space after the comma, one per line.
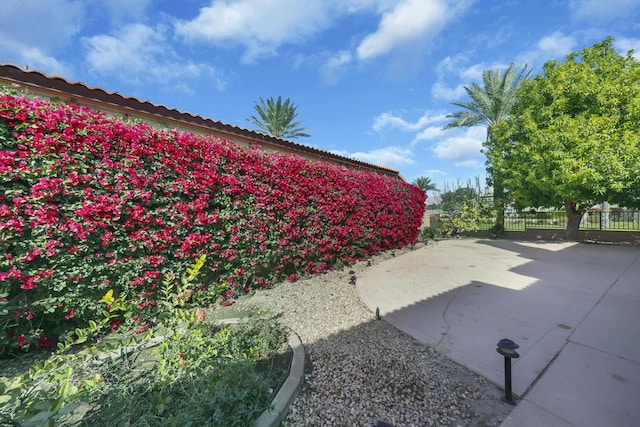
[60,84]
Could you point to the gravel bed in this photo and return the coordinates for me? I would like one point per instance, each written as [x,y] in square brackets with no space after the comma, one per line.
[363,372]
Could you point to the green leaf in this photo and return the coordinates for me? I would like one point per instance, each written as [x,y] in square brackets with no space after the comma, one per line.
[67,389]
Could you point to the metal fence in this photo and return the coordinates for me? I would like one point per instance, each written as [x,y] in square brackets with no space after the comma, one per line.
[591,220]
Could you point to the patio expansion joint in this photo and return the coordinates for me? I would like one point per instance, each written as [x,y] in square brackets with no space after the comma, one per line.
[599,350]
[602,297]
[547,366]
[569,337]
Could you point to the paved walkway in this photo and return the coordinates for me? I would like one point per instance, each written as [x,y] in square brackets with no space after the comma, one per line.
[574,309]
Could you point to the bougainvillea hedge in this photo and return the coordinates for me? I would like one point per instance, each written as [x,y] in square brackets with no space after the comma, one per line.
[90,203]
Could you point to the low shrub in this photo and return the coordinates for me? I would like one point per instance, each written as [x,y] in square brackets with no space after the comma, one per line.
[200,373]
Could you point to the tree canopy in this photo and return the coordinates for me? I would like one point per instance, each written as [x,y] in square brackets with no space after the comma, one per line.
[573,137]
[277,118]
[490,105]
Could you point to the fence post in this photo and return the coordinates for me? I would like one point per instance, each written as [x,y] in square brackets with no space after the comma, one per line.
[604,216]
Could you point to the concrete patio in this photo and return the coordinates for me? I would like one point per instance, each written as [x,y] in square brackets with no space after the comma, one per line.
[574,309]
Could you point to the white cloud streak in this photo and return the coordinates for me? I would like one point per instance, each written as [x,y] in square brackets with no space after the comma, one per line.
[600,11]
[261,26]
[388,156]
[624,45]
[555,46]
[32,32]
[463,149]
[388,120]
[409,21]
[139,52]
[334,66]
[126,10]
[440,90]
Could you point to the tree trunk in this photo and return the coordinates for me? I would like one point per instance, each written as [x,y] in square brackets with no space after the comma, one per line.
[574,216]
[498,205]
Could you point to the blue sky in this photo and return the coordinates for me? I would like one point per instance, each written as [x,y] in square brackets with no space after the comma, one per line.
[372,79]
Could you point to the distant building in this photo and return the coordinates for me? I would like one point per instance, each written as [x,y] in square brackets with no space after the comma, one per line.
[57,88]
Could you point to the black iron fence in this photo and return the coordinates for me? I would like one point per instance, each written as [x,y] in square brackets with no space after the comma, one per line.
[617,219]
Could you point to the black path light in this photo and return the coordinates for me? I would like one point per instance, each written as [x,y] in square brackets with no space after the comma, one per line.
[507,348]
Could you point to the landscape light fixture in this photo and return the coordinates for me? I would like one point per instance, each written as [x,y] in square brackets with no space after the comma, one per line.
[507,348]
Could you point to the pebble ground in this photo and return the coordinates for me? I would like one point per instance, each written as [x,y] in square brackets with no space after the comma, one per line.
[361,371]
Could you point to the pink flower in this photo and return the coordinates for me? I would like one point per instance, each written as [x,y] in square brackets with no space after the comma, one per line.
[70,314]
[151,274]
[22,342]
[44,341]
[114,323]
[29,283]
[141,329]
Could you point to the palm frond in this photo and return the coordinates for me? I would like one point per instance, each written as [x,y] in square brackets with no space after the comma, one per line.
[492,102]
[277,118]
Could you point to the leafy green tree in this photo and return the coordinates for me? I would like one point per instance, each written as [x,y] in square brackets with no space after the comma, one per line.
[573,137]
[462,211]
[491,105]
[277,118]
[452,202]
[425,184]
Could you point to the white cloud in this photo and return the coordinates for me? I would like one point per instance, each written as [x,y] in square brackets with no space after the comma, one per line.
[139,52]
[433,173]
[388,156]
[440,90]
[334,65]
[557,44]
[388,120]
[32,32]
[600,11]
[126,10]
[39,60]
[463,149]
[624,45]
[33,57]
[408,22]
[474,72]
[261,26]
[554,46]
[41,24]
[133,49]
[453,68]
[429,133]
[356,6]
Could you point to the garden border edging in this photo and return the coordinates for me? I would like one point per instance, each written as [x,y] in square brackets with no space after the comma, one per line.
[274,416]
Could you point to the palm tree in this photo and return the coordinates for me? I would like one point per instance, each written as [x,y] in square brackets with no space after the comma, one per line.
[491,105]
[277,118]
[425,184]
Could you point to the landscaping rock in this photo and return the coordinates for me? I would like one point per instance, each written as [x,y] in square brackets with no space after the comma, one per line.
[362,371]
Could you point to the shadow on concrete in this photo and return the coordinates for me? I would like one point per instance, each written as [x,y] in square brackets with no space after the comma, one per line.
[462,296]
